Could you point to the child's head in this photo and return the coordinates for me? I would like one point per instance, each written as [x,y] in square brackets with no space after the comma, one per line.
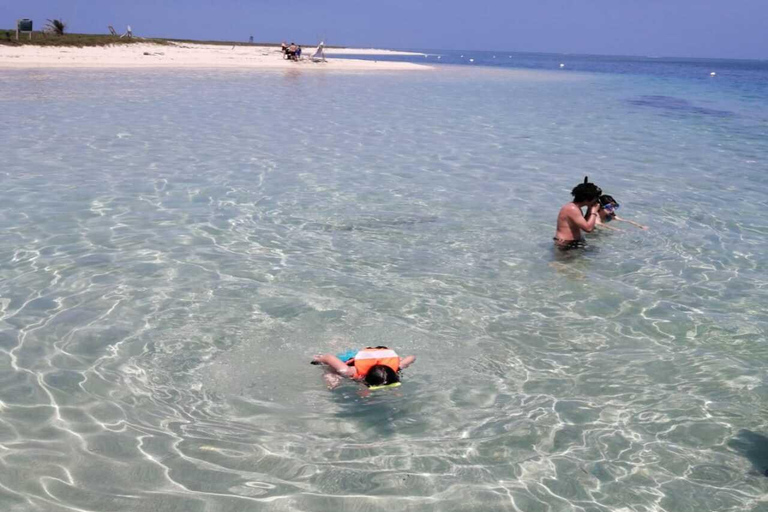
[380,375]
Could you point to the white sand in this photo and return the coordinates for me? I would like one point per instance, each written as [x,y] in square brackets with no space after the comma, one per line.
[187,55]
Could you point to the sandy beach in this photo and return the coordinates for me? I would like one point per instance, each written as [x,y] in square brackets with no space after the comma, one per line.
[189,55]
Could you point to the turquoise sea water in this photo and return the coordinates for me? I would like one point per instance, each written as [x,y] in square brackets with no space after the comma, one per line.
[176,245]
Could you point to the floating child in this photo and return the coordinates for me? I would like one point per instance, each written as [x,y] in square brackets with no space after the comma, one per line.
[376,367]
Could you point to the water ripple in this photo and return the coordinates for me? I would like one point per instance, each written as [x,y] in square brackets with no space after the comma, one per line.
[172,257]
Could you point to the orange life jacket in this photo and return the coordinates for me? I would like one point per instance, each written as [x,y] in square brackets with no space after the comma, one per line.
[370,357]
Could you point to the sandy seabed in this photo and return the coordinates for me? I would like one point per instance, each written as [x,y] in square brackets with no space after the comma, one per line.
[189,55]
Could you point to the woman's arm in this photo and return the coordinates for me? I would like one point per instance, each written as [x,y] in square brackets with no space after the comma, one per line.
[406,361]
[337,364]
[631,222]
[584,223]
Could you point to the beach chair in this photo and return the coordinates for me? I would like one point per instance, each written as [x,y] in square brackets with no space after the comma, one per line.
[112,30]
[319,53]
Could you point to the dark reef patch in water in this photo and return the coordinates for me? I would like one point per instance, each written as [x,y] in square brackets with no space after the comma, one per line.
[673,105]
[754,447]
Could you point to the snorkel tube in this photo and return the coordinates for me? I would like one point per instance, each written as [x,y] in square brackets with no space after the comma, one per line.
[385,386]
[599,190]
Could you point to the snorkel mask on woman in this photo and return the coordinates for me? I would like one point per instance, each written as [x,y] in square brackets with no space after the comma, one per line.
[608,204]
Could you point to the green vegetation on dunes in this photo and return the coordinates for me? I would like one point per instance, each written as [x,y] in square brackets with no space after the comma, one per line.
[8,38]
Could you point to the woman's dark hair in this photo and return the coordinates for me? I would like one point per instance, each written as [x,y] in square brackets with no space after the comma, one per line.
[584,192]
[380,375]
[606,199]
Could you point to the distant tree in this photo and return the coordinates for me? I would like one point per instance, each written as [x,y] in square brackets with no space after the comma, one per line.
[56,27]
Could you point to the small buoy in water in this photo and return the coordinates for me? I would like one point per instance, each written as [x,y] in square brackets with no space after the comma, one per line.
[439,56]
[713,74]
[494,56]
[562,65]
[471,60]
[462,56]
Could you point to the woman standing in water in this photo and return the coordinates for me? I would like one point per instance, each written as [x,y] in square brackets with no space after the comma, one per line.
[571,221]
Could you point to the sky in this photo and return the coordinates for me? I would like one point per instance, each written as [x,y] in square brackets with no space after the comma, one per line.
[658,28]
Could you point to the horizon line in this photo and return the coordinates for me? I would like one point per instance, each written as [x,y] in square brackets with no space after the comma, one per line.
[412,49]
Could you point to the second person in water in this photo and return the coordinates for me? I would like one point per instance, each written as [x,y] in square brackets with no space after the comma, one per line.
[607,213]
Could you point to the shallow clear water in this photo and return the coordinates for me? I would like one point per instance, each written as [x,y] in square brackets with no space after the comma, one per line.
[175,246]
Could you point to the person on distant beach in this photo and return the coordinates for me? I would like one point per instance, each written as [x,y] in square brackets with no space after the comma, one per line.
[571,221]
[607,213]
[376,367]
[291,52]
[298,52]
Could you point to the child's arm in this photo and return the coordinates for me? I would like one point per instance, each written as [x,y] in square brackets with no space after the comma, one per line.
[606,226]
[631,222]
[337,364]
[406,361]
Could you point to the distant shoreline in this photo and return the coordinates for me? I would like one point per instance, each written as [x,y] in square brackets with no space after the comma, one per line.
[105,51]
[190,55]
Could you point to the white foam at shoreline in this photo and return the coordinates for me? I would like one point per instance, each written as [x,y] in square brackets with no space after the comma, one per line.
[370,51]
